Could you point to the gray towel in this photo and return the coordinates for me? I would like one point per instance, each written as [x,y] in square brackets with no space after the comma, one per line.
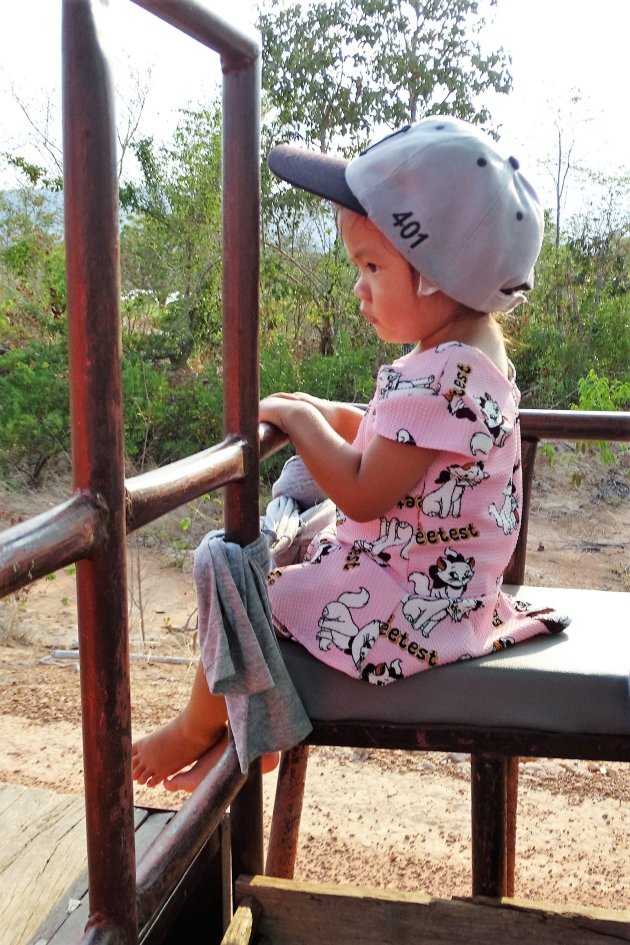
[298,511]
[239,650]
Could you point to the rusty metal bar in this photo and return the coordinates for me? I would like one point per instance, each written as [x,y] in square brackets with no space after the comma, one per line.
[74,528]
[49,541]
[287,813]
[95,352]
[237,50]
[515,571]
[155,493]
[575,425]
[241,255]
[241,222]
[174,850]
[489,805]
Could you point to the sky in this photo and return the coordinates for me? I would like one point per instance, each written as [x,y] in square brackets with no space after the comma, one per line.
[559,49]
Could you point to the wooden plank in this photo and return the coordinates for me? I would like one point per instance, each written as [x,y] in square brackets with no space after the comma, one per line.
[302,913]
[43,848]
[65,928]
[243,926]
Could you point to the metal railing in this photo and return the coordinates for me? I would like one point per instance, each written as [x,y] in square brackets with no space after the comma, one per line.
[90,528]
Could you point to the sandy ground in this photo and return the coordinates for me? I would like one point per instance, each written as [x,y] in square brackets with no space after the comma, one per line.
[574,817]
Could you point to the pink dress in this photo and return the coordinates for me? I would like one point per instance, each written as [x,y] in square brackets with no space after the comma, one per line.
[420,587]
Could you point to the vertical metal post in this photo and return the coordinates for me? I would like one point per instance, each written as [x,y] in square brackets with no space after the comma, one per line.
[241,261]
[91,230]
[241,264]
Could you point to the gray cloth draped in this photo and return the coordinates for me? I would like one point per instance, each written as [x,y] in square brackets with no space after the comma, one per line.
[239,650]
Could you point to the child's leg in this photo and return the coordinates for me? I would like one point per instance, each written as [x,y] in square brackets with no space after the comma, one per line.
[189,736]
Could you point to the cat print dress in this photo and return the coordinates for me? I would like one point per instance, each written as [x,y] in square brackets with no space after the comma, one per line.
[421,586]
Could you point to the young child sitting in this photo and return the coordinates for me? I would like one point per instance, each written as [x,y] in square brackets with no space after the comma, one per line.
[444,231]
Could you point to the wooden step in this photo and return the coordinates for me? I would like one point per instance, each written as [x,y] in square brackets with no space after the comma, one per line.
[286,912]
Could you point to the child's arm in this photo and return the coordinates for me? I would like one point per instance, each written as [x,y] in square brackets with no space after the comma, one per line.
[363,485]
[343,418]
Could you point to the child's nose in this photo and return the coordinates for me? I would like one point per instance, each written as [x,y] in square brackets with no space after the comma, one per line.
[361,289]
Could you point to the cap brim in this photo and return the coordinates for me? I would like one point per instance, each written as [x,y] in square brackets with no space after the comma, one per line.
[320,174]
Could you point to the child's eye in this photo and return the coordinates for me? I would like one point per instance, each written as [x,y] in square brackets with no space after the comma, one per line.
[371,266]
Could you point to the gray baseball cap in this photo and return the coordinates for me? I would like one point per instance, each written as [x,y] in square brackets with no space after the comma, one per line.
[443,194]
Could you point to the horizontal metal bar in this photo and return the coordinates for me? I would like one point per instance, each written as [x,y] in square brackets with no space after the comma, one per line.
[535,424]
[192,18]
[575,425]
[178,843]
[153,494]
[51,540]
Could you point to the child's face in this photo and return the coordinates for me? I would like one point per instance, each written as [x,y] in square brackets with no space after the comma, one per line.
[387,286]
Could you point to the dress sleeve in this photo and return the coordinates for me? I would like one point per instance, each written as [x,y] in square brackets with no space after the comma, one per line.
[451,398]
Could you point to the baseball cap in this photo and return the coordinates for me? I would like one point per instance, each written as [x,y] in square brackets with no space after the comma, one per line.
[444,195]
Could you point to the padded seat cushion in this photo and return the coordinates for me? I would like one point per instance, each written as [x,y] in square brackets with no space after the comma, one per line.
[576,681]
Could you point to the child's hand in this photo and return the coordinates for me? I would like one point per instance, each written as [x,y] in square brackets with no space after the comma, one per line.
[343,418]
[279,408]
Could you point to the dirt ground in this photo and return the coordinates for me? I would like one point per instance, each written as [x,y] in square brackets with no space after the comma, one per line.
[574,817]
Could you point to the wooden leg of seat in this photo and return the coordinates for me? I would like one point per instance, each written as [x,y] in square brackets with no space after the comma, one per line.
[512,806]
[494,785]
[287,811]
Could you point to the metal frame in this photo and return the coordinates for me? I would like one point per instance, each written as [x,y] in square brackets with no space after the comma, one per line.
[91,527]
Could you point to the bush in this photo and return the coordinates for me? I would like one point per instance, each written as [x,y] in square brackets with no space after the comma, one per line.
[34,408]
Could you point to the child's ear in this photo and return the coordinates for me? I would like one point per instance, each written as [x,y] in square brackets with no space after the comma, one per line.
[421,285]
[425,287]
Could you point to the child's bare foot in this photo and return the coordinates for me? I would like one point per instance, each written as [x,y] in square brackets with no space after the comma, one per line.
[170,748]
[190,779]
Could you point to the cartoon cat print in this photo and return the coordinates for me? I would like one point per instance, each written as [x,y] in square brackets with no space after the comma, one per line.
[440,594]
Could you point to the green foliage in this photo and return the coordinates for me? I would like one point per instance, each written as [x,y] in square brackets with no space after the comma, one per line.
[427,58]
[315,60]
[169,414]
[340,69]
[171,246]
[35,175]
[577,320]
[333,71]
[598,393]
[34,408]
[32,269]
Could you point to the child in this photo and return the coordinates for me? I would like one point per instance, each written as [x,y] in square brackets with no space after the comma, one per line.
[444,231]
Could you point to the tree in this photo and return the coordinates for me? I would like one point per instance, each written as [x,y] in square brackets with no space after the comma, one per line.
[335,71]
[45,131]
[171,245]
[315,63]
[577,318]
[32,267]
[427,59]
